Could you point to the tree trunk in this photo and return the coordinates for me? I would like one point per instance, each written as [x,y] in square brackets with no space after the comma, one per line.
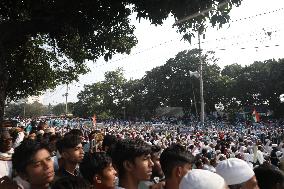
[3,82]
[2,99]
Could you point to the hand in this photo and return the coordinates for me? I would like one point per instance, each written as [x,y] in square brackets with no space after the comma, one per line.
[159,185]
[7,183]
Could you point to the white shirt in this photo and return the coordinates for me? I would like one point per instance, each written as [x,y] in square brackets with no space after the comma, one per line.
[19,139]
[23,184]
[5,168]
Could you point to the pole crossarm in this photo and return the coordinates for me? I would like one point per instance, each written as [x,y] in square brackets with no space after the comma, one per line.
[200,13]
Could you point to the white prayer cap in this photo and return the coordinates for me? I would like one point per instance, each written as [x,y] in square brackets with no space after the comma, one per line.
[278,153]
[274,145]
[40,132]
[202,179]
[234,171]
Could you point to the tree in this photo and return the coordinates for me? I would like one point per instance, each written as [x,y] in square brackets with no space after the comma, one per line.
[104,98]
[34,109]
[171,84]
[54,38]
[60,108]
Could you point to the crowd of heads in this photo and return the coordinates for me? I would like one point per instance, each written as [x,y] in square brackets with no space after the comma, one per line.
[141,156]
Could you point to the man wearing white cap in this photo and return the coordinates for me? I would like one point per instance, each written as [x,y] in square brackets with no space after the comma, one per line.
[202,179]
[237,174]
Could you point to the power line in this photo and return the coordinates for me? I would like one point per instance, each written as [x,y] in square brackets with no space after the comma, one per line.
[166,42]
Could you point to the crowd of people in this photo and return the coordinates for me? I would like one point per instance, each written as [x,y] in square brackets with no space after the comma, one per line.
[117,155]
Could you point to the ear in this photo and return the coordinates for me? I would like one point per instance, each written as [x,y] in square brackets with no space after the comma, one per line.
[24,176]
[64,154]
[97,179]
[128,165]
[178,171]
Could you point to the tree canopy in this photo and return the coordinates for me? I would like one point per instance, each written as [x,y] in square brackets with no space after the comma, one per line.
[45,43]
[170,85]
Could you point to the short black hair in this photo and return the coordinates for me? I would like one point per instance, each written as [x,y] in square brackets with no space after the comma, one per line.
[128,150]
[109,140]
[75,132]
[24,153]
[173,156]
[268,176]
[70,183]
[68,141]
[155,149]
[94,163]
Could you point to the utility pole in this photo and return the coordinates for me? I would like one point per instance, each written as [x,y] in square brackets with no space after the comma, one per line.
[201,13]
[201,82]
[66,100]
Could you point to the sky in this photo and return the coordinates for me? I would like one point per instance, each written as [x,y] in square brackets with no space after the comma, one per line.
[255,33]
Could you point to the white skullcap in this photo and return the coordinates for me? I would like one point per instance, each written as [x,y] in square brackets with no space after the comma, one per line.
[201,179]
[274,145]
[234,171]
[278,153]
[40,132]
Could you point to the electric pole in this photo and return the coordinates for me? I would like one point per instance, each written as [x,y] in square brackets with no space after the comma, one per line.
[201,82]
[66,100]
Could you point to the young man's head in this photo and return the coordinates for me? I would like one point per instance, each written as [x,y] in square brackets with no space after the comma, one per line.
[32,161]
[109,142]
[269,177]
[155,157]
[237,174]
[132,158]
[98,170]
[176,161]
[5,141]
[70,148]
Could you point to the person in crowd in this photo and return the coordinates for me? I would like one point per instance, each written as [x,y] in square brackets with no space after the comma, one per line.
[109,143]
[157,173]
[72,153]
[71,183]
[175,161]
[32,162]
[202,179]
[157,177]
[132,160]
[237,174]
[273,156]
[6,152]
[268,177]
[98,170]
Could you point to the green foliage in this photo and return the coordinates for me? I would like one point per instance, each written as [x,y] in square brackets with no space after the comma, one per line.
[60,108]
[45,43]
[170,85]
[104,98]
[34,109]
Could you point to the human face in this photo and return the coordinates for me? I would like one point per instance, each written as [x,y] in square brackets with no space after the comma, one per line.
[143,167]
[40,171]
[75,154]
[107,177]
[157,169]
[32,136]
[6,144]
[251,184]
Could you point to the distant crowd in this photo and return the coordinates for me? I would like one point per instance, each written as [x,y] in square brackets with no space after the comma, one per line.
[75,154]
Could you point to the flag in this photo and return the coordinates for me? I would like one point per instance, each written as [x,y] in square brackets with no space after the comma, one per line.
[255,116]
[94,120]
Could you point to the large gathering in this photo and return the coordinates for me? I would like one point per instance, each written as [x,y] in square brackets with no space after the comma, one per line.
[140,156]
